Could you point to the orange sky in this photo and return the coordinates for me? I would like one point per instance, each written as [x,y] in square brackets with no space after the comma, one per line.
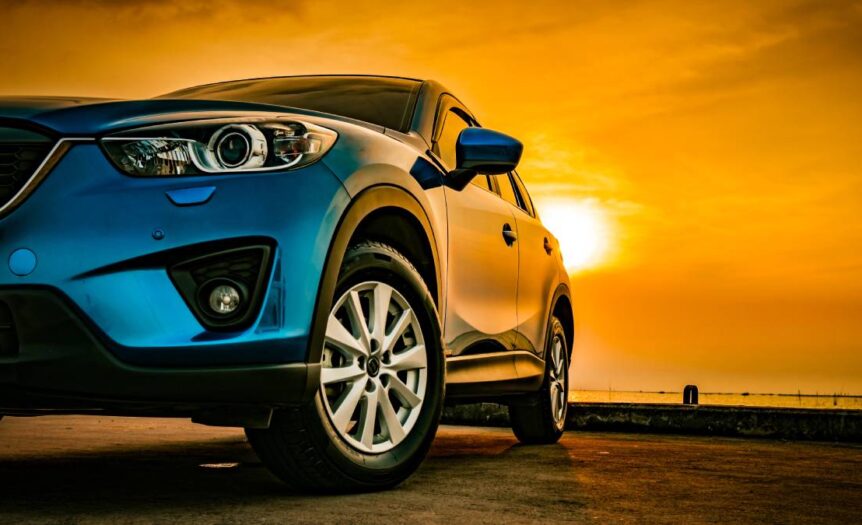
[717,145]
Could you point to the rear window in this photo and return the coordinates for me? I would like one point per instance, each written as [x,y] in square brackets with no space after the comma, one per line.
[387,102]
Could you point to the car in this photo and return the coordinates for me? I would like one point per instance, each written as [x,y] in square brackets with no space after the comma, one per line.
[324,261]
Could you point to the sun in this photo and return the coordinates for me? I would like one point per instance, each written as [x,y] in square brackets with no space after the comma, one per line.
[582,229]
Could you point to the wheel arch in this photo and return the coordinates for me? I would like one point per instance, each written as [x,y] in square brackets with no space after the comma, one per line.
[401,229]
[384,213]
[562,310]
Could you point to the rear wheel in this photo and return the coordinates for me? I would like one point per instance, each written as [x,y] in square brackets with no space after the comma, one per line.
[381,384]
[541,418]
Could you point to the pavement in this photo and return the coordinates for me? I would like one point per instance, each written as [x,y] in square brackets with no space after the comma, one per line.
[83,469]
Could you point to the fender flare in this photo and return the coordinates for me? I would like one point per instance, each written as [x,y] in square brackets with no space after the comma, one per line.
[562,290]
[364,204]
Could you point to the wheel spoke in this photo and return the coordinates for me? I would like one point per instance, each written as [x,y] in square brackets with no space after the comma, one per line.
[558,400]
[410,359]
[338,335]
[403,391]
[390,419]
[369,416]
[341,416]
[354,306]
[559,360]
[397,330]
[554,399]
[340,374]
[382,297]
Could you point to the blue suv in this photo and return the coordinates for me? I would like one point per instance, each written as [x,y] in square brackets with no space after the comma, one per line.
[322,260]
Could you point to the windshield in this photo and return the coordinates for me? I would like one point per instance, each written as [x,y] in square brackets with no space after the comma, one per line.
[387,102]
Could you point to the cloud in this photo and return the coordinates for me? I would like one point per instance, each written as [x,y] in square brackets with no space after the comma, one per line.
[786,43]
[148,11]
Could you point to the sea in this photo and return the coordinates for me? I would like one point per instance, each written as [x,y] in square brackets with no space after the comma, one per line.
[816,401]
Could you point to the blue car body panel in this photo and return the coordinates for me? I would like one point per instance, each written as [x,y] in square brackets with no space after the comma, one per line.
[109,219]
[87,218]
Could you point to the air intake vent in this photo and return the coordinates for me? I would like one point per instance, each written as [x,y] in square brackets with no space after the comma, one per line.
[243,266]
[21,152]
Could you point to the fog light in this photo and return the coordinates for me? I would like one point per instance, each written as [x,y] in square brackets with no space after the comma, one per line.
[224,299]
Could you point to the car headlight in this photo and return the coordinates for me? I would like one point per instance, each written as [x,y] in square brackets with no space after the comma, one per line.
[218,146]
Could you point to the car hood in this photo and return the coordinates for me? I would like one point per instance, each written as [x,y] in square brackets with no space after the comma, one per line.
[94,117]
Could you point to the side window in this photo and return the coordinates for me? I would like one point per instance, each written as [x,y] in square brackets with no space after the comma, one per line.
[526,201]
[506,190]
[483,182]
[445,145]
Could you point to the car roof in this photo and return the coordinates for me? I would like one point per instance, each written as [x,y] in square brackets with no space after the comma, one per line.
[336,75]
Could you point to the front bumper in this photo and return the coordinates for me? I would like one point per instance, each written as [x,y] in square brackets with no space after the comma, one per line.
[59,363]
[100,320]
[92,230]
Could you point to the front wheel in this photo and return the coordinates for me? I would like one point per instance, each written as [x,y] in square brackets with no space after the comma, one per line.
[381,384]
[541,418]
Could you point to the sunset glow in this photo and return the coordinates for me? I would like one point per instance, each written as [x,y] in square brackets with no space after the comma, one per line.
[582,230]
[699,161]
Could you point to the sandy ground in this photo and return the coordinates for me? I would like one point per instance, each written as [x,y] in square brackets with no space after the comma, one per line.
[116,470]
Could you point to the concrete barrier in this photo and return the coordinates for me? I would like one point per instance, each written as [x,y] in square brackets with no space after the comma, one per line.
[712,420]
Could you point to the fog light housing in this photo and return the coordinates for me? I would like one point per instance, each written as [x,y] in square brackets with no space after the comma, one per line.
[224,288]
[224,299]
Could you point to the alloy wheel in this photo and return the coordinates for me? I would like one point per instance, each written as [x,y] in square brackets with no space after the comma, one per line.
[374,367]
[557,378]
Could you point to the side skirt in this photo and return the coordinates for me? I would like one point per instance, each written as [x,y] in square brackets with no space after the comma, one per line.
[494,374]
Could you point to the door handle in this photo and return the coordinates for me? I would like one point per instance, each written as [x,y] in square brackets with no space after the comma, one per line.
[508,235]
[548,246]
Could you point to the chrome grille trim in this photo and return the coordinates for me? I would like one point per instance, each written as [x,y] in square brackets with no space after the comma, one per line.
[54,155]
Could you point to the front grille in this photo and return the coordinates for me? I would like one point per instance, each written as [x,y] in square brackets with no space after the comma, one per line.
[8,335]
[18,162]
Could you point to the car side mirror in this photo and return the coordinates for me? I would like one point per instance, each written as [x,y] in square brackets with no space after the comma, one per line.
[483,151]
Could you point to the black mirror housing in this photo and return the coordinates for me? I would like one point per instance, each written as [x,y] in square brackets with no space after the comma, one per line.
[487,152]
[459,179]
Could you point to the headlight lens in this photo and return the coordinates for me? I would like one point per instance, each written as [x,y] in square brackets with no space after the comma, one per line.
[219,146]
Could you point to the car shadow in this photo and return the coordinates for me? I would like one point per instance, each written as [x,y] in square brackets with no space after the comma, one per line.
[136,476]
[220,478]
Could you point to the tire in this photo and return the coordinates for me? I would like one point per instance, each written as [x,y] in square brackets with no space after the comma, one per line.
[311,448]
[539,419]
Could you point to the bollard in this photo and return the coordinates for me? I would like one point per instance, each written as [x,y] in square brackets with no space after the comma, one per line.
[689,395]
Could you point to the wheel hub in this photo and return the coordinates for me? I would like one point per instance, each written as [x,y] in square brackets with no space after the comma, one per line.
[373,367]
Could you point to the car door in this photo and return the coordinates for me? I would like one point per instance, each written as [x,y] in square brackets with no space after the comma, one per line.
[537,267]
[483,261]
